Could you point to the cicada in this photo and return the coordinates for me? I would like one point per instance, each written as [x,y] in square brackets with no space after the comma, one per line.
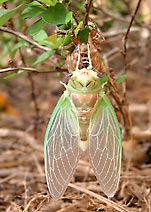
[83,121]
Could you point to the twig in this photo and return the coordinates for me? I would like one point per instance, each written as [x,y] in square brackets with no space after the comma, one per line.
[17,68]
[99,197]
[121,104]
[140,134]
[12,69]
[44,48]
[14,207]
[5,132]
[110,14]
[87,6]
[119,32]
[127,34]
[9,172]
[8,178]
[38,196]
[33,95]
[149,108]
[25,188]
[32,84]
[24,37]
[136,177]
[128,119]
[123,108]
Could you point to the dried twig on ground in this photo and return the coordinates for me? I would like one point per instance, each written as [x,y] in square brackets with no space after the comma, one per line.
[4,132]
[102,199]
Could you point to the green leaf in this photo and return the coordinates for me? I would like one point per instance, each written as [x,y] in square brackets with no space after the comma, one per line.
[141,17]
[77,29]
[83,34]
[44,57]
[57,44]
[35,4]
[31,12]
[55,15]
[5,15]
[52,38]
[2,1]
[104,78]
[67,39]
[121,79]
[50,2]
[40,37]
[107,25]
[36,27]
[10,76]
[54,41]
[68,17]
[16,47]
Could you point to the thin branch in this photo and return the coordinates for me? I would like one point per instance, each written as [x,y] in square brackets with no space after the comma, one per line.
[22,136]
[13,69]
[17,68]
[36,198]
[110,14]
[34,99]
[123,108]
[128,118]
[127,34]
[44,48]
[24,37]
[33,95]
[119,32]
[118,17]
[121,104]
[87,6]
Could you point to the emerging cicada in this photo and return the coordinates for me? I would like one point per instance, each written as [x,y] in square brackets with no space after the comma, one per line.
[83,121]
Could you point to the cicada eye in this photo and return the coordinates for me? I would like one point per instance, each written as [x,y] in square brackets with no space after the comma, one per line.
[69,75]
[99,74]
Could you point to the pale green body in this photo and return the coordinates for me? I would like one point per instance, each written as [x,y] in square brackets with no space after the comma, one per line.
[84,85]
[83,119]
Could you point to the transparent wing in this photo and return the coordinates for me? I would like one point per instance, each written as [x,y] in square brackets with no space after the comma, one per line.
[105,146]
[61,147]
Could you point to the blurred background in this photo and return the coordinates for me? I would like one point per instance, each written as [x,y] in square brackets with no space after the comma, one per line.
[30,88]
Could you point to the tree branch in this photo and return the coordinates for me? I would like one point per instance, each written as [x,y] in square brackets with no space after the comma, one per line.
[87,6]
[17,68]
[12,69]
[24,37]
[127,34]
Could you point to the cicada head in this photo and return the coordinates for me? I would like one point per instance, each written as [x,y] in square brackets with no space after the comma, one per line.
[84,80]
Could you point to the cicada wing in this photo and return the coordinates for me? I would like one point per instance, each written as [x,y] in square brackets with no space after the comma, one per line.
[105,146]
[61,148]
